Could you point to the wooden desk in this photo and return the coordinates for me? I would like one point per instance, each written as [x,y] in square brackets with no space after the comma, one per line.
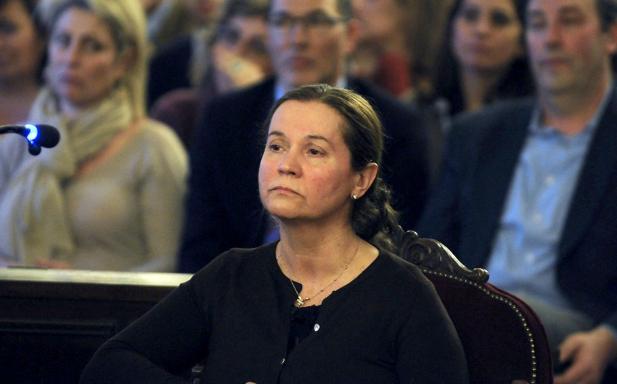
[52,321]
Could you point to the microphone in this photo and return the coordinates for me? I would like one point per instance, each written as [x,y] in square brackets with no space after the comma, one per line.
[37,136]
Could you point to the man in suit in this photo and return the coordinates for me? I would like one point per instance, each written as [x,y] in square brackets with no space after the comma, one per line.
[309,42]
[528,188]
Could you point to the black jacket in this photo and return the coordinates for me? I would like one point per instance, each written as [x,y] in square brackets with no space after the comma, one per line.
[387,326]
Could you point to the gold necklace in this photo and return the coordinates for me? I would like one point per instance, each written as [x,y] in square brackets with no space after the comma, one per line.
[300,301]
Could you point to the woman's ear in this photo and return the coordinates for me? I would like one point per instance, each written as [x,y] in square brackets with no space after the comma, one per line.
[364,179]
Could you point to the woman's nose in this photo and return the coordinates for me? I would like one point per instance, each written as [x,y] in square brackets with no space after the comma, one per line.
[288,164]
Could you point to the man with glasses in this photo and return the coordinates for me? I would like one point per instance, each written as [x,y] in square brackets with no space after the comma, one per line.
[529,188]
[309,41]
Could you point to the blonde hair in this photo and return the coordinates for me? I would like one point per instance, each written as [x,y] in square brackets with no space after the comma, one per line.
[127,22]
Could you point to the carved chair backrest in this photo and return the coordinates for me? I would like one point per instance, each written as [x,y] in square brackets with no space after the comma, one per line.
[504,341]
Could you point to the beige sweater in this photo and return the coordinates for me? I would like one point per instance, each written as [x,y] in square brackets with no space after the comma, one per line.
[126,214]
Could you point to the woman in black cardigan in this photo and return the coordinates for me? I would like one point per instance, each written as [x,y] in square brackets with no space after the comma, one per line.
[329,302]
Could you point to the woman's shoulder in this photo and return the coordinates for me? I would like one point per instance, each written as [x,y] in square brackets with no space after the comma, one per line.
[157,144]
[238,262]
[399,274]
[156,132]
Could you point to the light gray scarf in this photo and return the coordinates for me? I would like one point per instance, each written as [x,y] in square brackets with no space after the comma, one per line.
[33,219]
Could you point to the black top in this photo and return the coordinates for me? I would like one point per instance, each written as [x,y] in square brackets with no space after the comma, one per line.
[302,324]
[386,326]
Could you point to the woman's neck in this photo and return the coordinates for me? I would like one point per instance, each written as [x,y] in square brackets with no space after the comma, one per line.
[310,251]
[322,260]
[476,86]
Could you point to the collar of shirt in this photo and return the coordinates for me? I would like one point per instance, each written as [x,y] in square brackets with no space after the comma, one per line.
[537,127]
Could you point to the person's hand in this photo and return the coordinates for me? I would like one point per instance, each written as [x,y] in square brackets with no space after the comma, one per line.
[233,70]
[52,264]
[588,353]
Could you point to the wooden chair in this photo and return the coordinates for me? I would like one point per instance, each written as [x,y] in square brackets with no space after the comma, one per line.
[503,339]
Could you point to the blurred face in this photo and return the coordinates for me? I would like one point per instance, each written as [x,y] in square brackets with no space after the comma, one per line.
[20,47]
[246,37]
[84,64]
[379,19]
[568,50]
[308,41]
[206,11]
[305,171]
[486,35]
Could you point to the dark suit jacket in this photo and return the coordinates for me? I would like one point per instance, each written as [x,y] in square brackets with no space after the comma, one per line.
[169,69]
[223,207]
[467,204]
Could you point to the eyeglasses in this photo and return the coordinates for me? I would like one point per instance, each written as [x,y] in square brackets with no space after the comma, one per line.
[316,22]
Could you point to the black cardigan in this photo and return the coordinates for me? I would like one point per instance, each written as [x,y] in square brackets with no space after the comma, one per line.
[386,326]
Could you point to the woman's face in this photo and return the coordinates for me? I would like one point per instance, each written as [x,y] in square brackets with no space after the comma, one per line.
[21,48]
[84,63]
[305,171]
[246,37]
[487,35]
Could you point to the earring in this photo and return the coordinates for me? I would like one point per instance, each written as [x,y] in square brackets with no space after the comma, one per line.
[354,196]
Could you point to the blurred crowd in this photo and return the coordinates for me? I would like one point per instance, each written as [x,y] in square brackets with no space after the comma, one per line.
[438,58]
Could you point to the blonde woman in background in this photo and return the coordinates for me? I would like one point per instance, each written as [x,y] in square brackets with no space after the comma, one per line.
[109,196]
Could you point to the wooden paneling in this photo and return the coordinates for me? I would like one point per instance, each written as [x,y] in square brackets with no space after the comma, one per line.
[51,321]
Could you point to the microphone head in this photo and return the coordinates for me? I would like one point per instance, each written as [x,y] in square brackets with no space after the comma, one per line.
[42,135]
[33,149]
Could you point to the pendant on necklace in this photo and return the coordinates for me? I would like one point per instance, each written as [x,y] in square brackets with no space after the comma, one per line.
[299,302]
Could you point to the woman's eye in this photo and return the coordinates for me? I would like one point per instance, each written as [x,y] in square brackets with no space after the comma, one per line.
[7,27]
[273,147]
[470,14]
[315,152]
[93,46]
[500,19]
[61,40]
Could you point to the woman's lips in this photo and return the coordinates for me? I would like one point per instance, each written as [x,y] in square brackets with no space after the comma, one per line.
[284,190]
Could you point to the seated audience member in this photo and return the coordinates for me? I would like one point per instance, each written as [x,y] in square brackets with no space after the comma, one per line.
[22,45]
[482,59]
[168,20]
[529,188]
[109,196]
[397,43]
[328,303]
[238,58]
[483,55]
[309,42]
[182,61]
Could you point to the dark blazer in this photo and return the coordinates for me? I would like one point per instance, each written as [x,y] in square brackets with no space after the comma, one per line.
[169,69]
[468,201]
[223,207]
